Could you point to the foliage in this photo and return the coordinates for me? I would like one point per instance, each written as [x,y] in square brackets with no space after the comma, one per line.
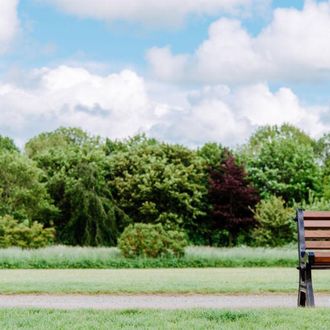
[322,148]
[7,144]
[211,153]
[14,233]
[90,189]
[22,194]
[323,154]
[232,198]
[314,203]
[275,223]
[281,161]
[60,139]
[155,182]
[76,181]
[283,132]
[149,240]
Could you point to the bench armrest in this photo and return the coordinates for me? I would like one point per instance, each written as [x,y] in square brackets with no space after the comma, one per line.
[307,257]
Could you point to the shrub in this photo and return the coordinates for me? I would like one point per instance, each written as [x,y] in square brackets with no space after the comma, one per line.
[315,203]
[149,240]
[14,233]
[275,223]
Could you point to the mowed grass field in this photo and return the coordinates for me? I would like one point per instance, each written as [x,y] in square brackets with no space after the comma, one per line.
[134,281]
[147,319]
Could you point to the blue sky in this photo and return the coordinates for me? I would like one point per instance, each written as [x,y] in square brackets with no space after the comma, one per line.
[186,72]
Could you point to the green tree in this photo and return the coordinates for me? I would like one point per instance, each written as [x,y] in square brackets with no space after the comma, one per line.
[22,193]
[323,153]
[75,169]
[61,138]
[281,161]
[7,144]
[156,182]
[211,153]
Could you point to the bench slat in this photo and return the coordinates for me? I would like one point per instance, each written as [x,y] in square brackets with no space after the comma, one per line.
[317,234]
[317,224]
[321,258]
[316,215]
[318,245]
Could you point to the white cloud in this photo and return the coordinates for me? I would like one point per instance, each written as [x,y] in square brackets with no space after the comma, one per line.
[8,22]
[166,65]
[262,107]
[294,46]
[168,13]
[123,104]
[115,105]
[219,114]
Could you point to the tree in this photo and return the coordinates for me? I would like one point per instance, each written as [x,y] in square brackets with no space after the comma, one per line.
[281,161]
[22,193]
[75,170]
[269,134]
[232,198]
[61,138]
[7,144]
[211,153]
[156,182]
[323,153]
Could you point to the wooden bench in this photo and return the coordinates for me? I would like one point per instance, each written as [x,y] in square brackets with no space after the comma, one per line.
[313,250]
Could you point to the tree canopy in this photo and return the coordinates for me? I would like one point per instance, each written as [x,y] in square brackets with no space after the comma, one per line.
[90,189]
[22,192]
[158,182]
[281,161]
[75,170]
[232,198]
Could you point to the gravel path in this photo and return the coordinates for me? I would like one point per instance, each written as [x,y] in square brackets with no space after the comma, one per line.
[154,301]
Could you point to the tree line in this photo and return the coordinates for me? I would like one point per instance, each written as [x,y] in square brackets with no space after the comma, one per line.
[86,190]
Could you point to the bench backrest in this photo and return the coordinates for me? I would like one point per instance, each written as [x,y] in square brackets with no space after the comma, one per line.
[313,230]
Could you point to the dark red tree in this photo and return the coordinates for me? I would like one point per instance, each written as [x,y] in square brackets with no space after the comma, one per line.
[232,198]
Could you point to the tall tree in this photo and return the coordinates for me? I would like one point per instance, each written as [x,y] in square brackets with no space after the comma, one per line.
[7,144]
[75,168]
[232,197]
[23,195]
[156,182]
[281,161]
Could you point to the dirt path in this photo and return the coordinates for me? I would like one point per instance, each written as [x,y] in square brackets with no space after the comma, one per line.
[154,301]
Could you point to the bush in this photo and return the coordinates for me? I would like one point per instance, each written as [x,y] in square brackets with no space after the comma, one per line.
[275,223]
[13,233]
[315,203]
[152,241]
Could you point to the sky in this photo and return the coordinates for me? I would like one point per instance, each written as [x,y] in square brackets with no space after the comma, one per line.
[186,72]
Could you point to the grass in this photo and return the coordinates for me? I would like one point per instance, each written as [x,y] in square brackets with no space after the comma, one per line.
[135,281]
[150,319]
[102,258]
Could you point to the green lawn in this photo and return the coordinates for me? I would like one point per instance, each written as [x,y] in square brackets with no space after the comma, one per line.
[103,258]
[203,280]
[150,319]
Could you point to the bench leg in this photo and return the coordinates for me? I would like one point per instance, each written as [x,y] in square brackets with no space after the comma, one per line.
[305,293]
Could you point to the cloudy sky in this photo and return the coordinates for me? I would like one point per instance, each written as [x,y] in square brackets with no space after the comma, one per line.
[182,71]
